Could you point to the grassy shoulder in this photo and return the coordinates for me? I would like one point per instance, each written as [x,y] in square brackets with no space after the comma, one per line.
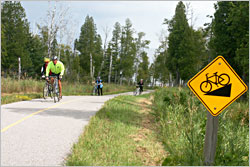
[182,120]
[122,133]
[13,90]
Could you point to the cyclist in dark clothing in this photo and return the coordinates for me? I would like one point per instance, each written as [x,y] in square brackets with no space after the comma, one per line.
[140,83]
[43,69]
[99,85]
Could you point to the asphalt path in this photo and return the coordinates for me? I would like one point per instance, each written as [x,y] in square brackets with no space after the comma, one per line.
[41,133]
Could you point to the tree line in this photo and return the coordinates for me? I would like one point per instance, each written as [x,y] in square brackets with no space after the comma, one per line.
[124,58]
[118,61]
[185,51]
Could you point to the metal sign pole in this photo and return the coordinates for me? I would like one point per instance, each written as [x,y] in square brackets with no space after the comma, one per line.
[210,139]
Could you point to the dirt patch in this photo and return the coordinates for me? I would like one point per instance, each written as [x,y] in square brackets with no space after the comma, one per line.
[148,148]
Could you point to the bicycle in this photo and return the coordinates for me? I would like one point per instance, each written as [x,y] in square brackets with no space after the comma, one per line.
[137,90]
[47,89]
[55,89]
[206,86]
[94,90]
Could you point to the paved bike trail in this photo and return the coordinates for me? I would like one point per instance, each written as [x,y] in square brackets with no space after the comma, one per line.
[41,133]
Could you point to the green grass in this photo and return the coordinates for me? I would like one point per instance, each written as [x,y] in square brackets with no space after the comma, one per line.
[183,120]
[19,97]
[114,137]
[30,88]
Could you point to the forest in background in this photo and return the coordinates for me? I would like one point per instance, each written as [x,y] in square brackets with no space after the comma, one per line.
[124,59]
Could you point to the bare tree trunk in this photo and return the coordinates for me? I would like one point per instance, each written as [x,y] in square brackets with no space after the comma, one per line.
[110,67]
[120,78]
[93,73]
[177,78]
[19,68]
[59,53]
[169,81]
[102,64]
[136,68]
[91,68]
[106,32]
[136,71]
[116,77]
[55,22]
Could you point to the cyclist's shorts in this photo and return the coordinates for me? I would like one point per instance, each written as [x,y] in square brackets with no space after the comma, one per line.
[53,74]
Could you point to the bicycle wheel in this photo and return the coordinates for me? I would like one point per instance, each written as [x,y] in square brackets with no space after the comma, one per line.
[50,91]
[57,90]
[94,91]
[206,86]
[140,91]
[45,91]
[135,92]
[223,79]
[54,93]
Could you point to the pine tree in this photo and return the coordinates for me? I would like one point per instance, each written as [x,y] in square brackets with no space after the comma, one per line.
[115,47]
[36,51]
[182,55]
[89,46]
[140,45]
[16,33]
[143,72]
[128,51]
[4,54]
[230,27]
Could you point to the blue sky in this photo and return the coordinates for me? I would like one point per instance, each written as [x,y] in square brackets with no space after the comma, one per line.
[146,16]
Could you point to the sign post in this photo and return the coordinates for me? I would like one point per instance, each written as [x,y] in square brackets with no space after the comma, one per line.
[210,139]
[216,86]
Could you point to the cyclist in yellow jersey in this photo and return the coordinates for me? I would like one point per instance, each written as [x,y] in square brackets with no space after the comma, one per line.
[57,69]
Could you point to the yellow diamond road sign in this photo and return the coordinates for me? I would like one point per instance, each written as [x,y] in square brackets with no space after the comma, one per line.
[217,85]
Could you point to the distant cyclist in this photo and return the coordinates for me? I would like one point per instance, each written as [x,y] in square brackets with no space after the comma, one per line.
[99,85]
[140,84]
[43,69]
[57,69]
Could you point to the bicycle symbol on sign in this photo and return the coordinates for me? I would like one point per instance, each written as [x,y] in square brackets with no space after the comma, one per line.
[222,79]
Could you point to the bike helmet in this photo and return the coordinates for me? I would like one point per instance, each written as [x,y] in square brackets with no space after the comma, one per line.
[55,58]
[46,59]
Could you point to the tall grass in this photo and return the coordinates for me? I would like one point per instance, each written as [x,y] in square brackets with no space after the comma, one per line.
[81,89]
[11,88]
[9,85]
[183,121]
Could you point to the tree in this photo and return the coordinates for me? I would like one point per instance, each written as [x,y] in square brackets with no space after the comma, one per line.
[4,54]
[114,54]
[181,59]
[90,47]
[161,72]
[230,27]
[140,45]
[16,36]
[106,31]
[37,52]
[144,68]
[127,53]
